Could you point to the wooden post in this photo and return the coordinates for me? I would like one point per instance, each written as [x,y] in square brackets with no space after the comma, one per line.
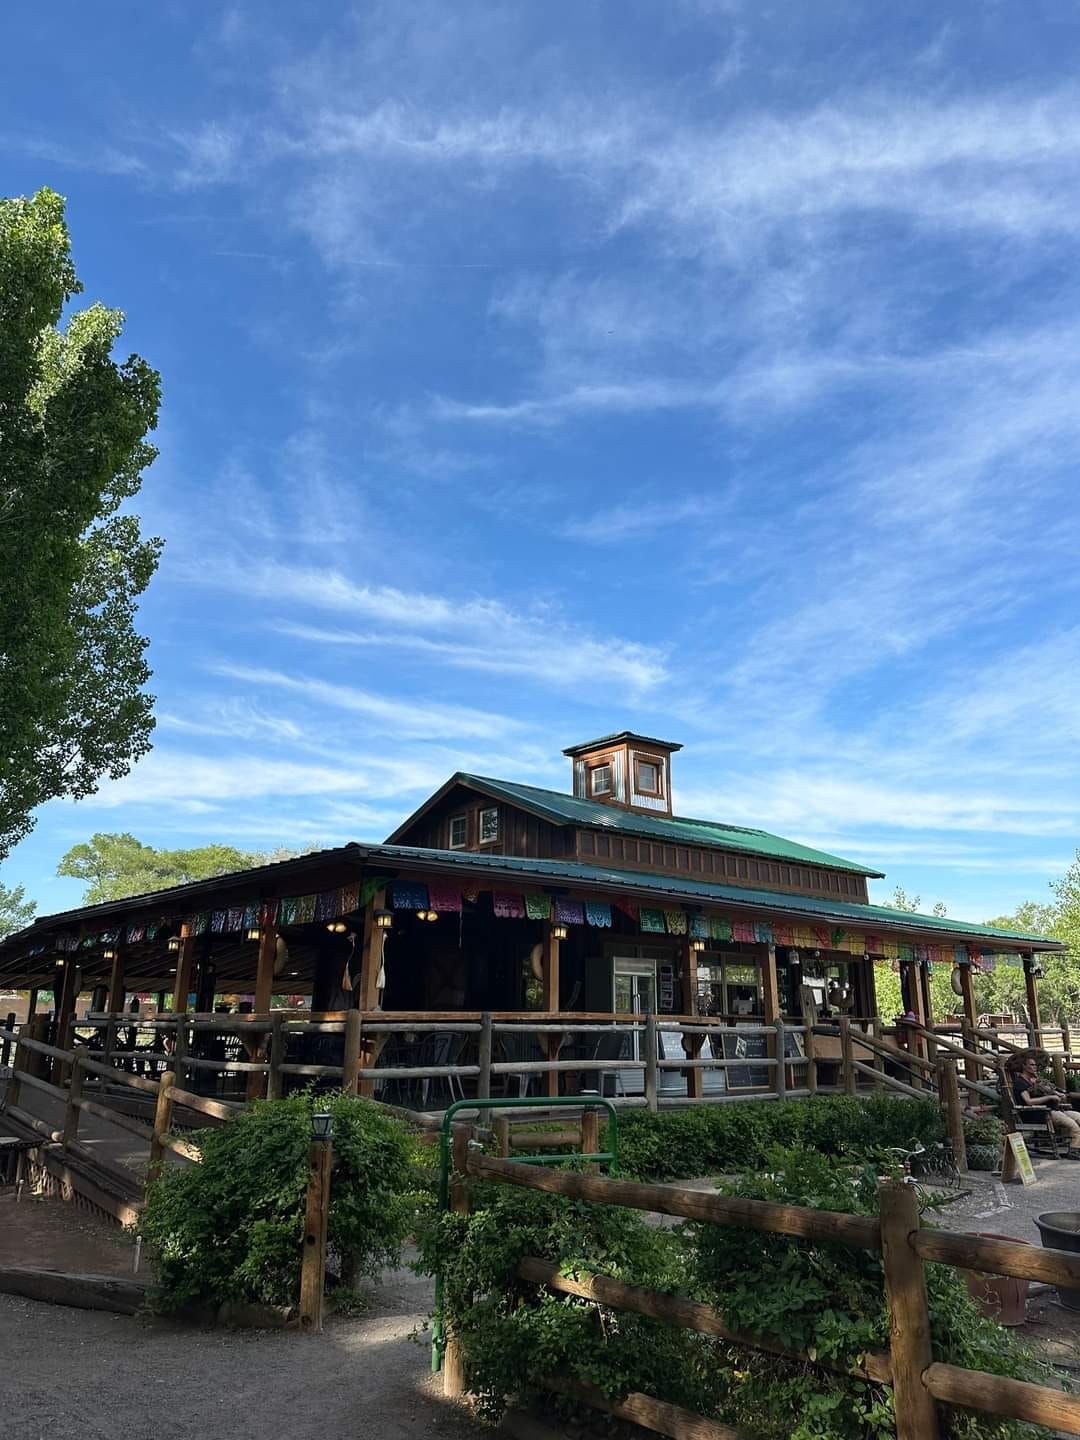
[185,959]
[264,969]
[371,956]
[501,1127]
[65,1011]
[590,1136]
[1031,985]
[847,1067]
[1058,1062]
[780,1072]
[115,1001]
[811,1059]
[652,1088]
[879,1060]
[180,1050]
[350,1063]
[967,991]
[909,1319]
[483,1083]
[549,961]
[5,1048]
[162,1121]
[31,1006]
[770,986]
[316,1215]
[949,1090]
[71,1110]
[453,1369]
[278,1045]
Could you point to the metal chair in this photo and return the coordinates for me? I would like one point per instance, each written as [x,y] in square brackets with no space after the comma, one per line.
[612,1045]
[519,1049]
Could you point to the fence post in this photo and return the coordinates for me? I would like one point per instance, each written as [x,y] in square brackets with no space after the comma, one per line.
[652,1087]
[847,1066]
[909,1318]
[483,1084]
[501,1127]
[278,1044]
[71,1110]
[590,1136]
[879,1060]
[453,1369]
[811,1059]
[5,1049]
[949,1090]
[180,1067]
[1058,1063]
[350,1059]
[780,1075]
[162,1122]
[316,1214]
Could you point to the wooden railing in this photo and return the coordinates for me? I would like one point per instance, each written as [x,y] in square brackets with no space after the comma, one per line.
[918,1382]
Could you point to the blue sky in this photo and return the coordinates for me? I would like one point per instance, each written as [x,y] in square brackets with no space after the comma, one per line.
[530,370]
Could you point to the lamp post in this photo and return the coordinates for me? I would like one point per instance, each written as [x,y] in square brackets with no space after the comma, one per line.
[316,1215]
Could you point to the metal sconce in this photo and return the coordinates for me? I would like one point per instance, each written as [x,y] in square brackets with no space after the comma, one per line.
[174,943]
[322,1126]
[110,953]
[697,946]
[252,933]
[384,920]
[559,931]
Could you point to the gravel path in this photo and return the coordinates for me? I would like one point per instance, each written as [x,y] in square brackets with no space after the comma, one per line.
[81,1375]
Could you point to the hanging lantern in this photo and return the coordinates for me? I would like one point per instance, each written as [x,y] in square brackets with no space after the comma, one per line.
[174,943]
[559,931]
[337,927]
[384,920]
[252,933]
[428,915]
[697,945]
[110,953]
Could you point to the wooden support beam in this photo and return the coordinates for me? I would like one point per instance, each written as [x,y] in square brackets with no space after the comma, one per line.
[770,985]
[371,954]
[264,971]
[909,1317]
[549,965]
[453,1368]
[967,994]
[185,960]
[949,1091]
[162,1122]
[351,1059]
[1032,987]
[70,985]
[115,1002]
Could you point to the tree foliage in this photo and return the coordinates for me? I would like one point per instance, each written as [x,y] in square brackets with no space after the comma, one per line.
[73,427]
[16,911]
[115,866]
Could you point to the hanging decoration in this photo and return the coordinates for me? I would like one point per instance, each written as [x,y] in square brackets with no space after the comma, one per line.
[905,953]
[268,912]
[675,921]
[652,921]
[407,896]
[630,909]
[471,893]
[199,923]
[743,931]
[444,896]
[784,935]
[327,904]
[856,944]
[538,907]
[350,898]
[508,907]
[719,928]
[286,911]
[305,909]
[370,888]
[699,927]
[598,914]
[569,912]
[822,937]
[763,933]
[838,938]
[217,922]
[235,918]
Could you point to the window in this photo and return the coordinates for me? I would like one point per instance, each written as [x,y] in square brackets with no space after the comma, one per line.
[648,777]
[489,825]
[600,780]
[459,832]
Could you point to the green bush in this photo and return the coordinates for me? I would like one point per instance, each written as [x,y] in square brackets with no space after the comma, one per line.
[709,1139]
[231,1228]
[824,1299]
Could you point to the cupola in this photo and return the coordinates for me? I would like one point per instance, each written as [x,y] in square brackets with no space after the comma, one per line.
[626,770]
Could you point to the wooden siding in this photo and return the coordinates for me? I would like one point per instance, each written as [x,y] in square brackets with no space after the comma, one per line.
[520,833]
[723,867]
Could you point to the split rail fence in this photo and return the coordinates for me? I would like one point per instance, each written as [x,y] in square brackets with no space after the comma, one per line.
[918,1383]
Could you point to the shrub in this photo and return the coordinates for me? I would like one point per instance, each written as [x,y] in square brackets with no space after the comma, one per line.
[231,1228]
[707,1139]
[824,1299]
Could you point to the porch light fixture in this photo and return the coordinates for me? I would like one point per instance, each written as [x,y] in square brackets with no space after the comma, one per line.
[109,953]
[697,945]
[794,958]
[322,1126]
[384,920]
[427,915]
[560,932]
[337,927]
[252,933]
[174,943]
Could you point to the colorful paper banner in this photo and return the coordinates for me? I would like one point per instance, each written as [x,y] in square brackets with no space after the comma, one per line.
[508,907]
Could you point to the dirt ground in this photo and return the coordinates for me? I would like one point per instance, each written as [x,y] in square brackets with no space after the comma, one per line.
[83,1375]
[50,1235]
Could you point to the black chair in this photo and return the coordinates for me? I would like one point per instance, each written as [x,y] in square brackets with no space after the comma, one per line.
[612,1045]
[519,1049]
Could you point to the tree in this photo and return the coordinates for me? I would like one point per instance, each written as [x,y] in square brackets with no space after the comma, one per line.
[1003,991]
[73,427]
[913,903]
[116,866]
[16,911]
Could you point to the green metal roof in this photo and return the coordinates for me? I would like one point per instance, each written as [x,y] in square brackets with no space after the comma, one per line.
[617,735]
[570,809]
[600,878]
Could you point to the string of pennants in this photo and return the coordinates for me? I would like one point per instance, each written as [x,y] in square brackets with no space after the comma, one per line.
[289,910]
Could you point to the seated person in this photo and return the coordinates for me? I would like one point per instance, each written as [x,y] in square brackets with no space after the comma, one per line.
[1029,1093]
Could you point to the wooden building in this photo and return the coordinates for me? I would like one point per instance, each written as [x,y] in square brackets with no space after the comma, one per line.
[501,897]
